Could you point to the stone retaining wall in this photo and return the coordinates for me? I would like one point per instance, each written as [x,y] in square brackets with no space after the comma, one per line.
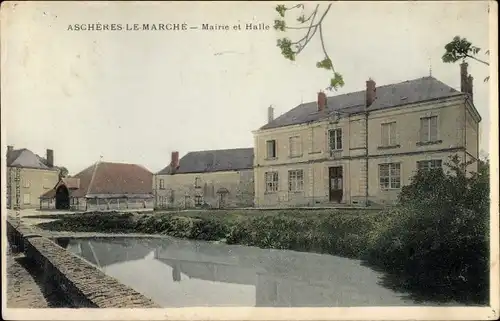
[84,285]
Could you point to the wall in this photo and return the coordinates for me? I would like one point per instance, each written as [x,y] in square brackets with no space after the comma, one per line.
[316,158]
[84,285]
[81,204]
[408,167]
[115,204]
[239,184]
[450,128]
[471,140]
[39,182]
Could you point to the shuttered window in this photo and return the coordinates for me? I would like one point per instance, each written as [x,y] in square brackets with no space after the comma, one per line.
[429,129]
[389,134]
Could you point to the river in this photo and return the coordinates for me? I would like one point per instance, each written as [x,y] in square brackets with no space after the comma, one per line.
[186,273]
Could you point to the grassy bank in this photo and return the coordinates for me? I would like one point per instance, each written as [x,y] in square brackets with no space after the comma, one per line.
[335,232]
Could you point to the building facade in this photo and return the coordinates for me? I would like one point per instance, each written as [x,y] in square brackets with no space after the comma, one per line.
[361,148]
[102,186]
[209,179]
[28,177]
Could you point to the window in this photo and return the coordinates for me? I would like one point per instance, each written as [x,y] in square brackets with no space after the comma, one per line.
[26,199]
[162,184]
[26,183]
[429,164]
[271,149]
[296,181]
[197,182]
[335,139]
[198,200]
[428,129]
[271,182]
[161,201]
[390,176]
[389,134]
[295,146]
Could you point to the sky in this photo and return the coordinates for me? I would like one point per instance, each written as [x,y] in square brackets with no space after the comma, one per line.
[136,96]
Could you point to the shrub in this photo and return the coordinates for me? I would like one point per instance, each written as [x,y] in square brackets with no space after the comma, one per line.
[437,238]
[336,234]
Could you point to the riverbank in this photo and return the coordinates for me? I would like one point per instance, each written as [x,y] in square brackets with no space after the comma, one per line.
[335,232]
[377,238]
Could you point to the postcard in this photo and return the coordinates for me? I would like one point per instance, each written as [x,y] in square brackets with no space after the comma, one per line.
[192,160]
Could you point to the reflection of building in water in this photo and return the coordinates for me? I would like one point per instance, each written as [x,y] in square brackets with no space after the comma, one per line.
[104,252]
[176,273]
[275,284]
[280,278]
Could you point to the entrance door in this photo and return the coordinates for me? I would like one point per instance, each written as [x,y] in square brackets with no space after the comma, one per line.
[336,183]
[222,200]
[62,198]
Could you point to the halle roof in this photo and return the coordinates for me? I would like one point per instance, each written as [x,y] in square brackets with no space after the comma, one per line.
[25,158]
[388,96]
[213,161]
[112,179]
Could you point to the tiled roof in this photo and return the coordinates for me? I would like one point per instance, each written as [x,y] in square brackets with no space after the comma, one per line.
[71,182]
[407,92]
[104,178]
[27,159]
[213,161]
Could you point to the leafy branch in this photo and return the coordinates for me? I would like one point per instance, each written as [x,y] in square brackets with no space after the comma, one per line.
[461,49]
[312,23]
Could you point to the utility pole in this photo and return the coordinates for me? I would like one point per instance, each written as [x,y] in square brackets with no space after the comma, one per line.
[17,180]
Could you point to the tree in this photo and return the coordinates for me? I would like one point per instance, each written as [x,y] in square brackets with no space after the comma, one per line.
[312,22]
[436,240]
[462,49]
[63,172]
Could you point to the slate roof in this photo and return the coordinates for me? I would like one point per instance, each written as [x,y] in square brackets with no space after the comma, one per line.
[213,161]
[112,179]
[388,96]
[25,158]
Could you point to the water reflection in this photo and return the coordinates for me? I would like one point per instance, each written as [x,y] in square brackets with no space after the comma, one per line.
[179,273]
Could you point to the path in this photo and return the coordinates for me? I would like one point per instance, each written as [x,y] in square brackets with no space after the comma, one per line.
[34,216]
[23,288]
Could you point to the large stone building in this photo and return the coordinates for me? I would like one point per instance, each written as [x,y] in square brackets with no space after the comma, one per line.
[28,177]
[102,186]
[362,147]
[214,178]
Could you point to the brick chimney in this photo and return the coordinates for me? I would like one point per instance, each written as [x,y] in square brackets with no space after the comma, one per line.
[470,87]
[322,100]
[174,161]
[50,158]
[10,148]
[371,92]
[270,114]
[463,77]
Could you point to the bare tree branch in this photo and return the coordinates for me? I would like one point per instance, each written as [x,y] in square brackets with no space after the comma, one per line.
[291,53]
[312,27]
[478,60]
[323,44]
[313,15]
